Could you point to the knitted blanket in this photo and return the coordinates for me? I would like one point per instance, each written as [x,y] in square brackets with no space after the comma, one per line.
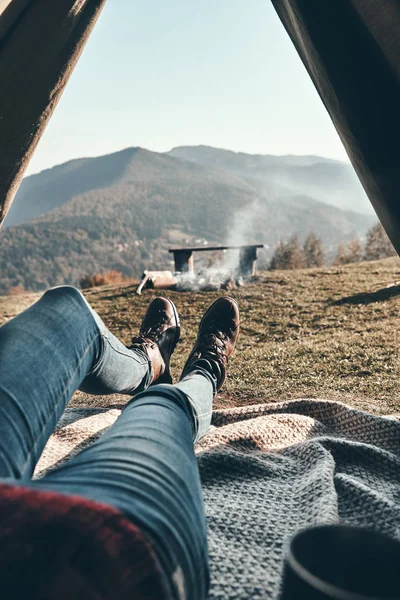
[270,470]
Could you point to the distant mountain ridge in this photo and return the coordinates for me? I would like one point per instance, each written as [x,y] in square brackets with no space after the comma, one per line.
[326,180]
[122,211]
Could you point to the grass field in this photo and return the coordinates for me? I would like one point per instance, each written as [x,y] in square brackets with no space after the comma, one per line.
[317,333]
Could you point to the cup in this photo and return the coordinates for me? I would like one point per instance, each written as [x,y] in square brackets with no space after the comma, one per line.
[338,562]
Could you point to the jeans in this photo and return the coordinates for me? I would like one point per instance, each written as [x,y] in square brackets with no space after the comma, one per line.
[144,465]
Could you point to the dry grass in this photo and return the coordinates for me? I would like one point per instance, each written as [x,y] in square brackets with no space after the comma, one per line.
[328,333]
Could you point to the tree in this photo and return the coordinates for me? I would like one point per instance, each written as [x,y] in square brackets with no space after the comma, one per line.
[351,253]
[313,251]
[289,255]
[378,244]
[354,250]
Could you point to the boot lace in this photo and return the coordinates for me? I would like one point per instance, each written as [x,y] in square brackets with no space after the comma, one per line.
[213,345]
[151,333]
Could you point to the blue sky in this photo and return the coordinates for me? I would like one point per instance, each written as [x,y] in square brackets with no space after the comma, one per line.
[160,74]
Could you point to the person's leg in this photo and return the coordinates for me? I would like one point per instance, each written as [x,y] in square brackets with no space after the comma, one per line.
[46,353]
[145,464]
[129,370]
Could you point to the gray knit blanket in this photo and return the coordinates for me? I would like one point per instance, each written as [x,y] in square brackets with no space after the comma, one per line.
[269,471]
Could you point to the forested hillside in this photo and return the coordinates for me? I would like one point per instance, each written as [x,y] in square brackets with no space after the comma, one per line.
[124,210]
[331,181]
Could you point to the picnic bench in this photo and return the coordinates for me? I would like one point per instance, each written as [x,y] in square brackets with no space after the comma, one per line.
[184,261]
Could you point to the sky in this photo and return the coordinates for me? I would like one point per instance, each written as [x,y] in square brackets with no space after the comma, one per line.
[160,74]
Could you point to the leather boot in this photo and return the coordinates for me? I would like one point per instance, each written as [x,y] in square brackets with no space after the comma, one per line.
[159,333]
[218,332]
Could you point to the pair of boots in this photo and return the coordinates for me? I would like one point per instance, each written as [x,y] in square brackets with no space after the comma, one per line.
[218,332]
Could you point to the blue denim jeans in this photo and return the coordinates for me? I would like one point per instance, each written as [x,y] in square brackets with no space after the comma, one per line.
[144,465]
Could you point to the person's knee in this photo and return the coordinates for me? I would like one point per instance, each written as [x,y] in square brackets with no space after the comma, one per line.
[64,297]
[165,391]
[169,396]
[63,292]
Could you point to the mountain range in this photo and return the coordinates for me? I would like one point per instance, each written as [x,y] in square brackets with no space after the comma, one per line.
[330,181]
[124,210]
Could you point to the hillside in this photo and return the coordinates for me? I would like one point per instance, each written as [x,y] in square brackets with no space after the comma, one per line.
[330,181]
[124,210]
[53,188]
[318,333]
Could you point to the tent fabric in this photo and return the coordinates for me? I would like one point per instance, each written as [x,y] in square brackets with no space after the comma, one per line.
[351,49]
[40,43]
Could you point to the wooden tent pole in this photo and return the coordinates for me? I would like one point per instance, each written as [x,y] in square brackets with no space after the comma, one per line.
[40,44]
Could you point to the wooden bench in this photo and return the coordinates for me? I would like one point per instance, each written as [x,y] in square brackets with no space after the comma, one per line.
[184,262]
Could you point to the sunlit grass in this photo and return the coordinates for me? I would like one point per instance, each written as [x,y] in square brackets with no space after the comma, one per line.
[296,340]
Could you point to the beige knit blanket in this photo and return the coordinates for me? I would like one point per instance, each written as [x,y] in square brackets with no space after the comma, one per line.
[270,470]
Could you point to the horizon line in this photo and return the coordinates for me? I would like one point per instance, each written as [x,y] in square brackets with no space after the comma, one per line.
[182,146]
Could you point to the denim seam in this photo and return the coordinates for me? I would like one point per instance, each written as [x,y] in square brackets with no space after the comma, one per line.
[192,404]
[197,418]
[56,405]
[143,361]
[199,415]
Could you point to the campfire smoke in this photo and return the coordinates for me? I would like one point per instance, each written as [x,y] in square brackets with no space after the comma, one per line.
[232,264]
[209,280]
[247,224]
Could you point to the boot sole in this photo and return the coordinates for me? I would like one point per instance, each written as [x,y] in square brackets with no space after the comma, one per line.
[178,324]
